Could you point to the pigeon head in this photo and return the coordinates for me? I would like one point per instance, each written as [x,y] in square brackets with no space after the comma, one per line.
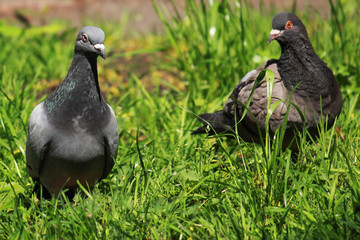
[90,41]
[286,28]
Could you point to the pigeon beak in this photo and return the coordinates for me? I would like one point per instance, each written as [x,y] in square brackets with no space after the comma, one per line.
[100,48]
[274,33]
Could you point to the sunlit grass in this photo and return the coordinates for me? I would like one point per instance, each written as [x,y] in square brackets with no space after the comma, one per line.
[185,186]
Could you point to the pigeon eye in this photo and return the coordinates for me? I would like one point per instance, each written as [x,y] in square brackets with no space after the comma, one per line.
[85,38]
[288,25]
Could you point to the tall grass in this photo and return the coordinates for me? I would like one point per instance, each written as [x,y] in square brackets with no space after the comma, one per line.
[166,183]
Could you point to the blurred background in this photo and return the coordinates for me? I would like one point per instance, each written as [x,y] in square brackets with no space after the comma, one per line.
[136,39]
[141,15]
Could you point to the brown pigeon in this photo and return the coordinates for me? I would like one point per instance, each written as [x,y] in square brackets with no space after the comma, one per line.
[300,77]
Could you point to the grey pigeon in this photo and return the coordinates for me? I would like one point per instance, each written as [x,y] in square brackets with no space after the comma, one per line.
[315,90]
[73,135]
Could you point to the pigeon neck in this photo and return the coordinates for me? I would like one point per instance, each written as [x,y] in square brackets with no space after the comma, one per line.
[299,64]
[85,63]
[78,96]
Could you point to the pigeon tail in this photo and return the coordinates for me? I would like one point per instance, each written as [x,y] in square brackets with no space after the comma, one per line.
[215,123]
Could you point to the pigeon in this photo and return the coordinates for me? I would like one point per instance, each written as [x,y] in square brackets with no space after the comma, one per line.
[302,83]
[73,134]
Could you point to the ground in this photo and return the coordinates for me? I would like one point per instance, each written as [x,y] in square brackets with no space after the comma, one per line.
[167,183]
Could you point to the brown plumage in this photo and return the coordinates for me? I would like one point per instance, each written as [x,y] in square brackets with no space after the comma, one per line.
[300,77]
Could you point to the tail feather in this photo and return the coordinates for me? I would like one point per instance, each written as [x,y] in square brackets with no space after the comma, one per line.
[214,123]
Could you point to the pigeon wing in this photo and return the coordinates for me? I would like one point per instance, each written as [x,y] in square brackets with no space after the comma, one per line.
[38,140]
[111,142]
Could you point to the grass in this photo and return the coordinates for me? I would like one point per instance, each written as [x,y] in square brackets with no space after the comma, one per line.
[167,183]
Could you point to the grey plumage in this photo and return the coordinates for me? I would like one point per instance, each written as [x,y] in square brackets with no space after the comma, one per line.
[73,134]
[317,93]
